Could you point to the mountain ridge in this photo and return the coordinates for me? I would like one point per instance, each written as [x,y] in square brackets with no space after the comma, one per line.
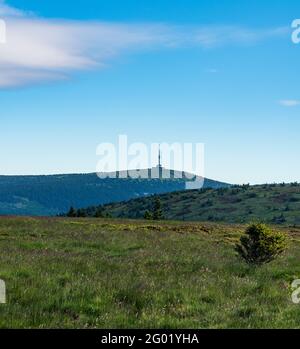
[43,195]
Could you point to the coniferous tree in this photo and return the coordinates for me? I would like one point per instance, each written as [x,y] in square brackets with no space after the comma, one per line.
[148,215]
[260,244]
[157,210]
[99,212]
[81,213]
[72,212]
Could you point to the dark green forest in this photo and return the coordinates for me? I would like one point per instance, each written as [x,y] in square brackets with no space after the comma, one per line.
[52,195]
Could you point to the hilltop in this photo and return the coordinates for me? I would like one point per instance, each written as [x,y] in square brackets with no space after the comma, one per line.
[273,203]
[52,195]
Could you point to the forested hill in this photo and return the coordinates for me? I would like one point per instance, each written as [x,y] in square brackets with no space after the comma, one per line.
[273,203]
[51,195]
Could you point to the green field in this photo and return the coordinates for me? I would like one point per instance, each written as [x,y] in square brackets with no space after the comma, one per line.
[101,273]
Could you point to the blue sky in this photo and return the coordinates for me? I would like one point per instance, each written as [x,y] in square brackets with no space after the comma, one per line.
[224,73]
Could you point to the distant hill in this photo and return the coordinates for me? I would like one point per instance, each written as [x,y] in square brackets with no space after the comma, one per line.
[275,203]
[51,195]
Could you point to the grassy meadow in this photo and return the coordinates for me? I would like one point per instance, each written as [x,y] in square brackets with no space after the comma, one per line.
[109,273]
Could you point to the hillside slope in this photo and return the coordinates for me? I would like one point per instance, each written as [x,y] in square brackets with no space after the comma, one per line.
[51,195]
[278,204]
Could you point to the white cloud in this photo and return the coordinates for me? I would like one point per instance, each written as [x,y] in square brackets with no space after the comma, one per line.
[212,71]
[223,35]
[40,50]
[9,11]
[289,102]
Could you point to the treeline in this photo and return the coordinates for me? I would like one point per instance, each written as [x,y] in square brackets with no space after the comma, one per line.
[155,211]
[87,212]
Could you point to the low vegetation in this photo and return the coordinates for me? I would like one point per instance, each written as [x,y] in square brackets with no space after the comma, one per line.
[113,273]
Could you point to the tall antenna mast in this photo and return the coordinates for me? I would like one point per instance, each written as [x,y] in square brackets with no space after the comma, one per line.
[159,157]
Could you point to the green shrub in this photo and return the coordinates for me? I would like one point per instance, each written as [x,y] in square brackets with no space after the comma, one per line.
[260,244]
[148,215]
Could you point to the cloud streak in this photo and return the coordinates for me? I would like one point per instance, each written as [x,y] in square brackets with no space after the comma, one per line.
[289,102]
[39,50]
